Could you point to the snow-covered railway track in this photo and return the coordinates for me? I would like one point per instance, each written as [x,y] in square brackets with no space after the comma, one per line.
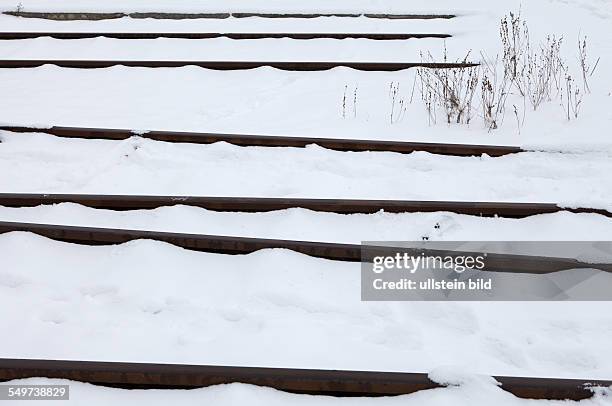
[42,163]
[92,286]
[308,381]
[258,204]
[506,263]
[210,35]
[231,65]
[69,16]
[337,144]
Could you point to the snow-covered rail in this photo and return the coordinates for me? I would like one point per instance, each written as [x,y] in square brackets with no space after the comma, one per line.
[337,144]
[67,16]
[309,381]
[210,35]
[509,263]
[232,65]
[259,204]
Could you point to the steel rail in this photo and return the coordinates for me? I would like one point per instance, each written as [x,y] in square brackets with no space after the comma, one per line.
[264,204]
[69,16]
[306,381]
[337,144]
[509,263]
[210,35]
[298,66]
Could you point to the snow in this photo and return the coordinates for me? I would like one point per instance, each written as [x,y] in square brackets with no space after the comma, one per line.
[269,101]
[220,49]
[321,24]
[396,6]
[276,307]
[476,393]
[301,224]
[271,308]
[42,163]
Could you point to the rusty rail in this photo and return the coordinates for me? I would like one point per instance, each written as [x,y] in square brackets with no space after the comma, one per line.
[232,65]
[510,263]
[337,144]
[71,16]
[308,381]
[210,35]
[262,204]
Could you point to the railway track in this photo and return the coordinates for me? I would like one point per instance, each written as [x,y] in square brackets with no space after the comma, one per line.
[337,144]
[307,381]
[232,65]
[510,263]
[67,16]
[210,35]
[259,204]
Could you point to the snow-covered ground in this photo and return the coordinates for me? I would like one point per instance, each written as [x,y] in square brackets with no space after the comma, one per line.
[269,101]
[271,308]
[275,307]
[301,224]
[580,7]
[40,163]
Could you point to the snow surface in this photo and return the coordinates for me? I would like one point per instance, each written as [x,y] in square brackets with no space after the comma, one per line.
[275,307]
[475,392]
[301,224]
[270,308]
[41,163]
[397,6]
[253,24]
[266,100]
